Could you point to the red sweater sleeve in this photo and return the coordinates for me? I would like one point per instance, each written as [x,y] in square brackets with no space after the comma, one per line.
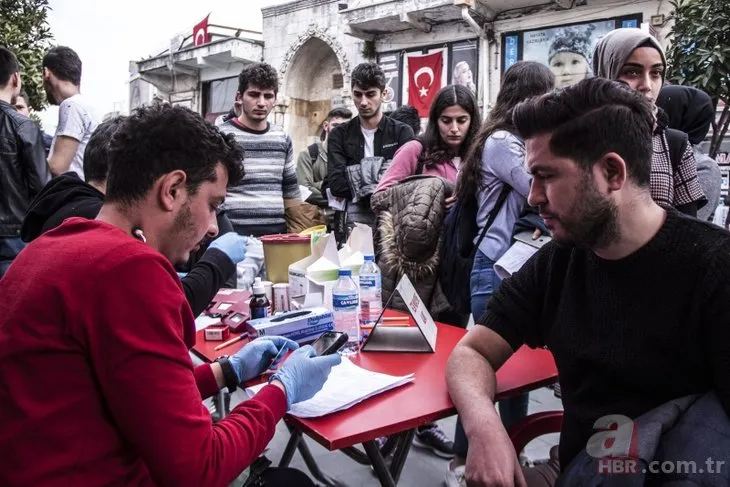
[205,380]
[148,382]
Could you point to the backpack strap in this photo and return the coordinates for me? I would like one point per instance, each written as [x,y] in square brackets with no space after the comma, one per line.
[421,162]
[677,141]
[492,215]
[419,167]
[313,152]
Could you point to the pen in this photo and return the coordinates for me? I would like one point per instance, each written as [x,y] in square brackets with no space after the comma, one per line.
[231,341]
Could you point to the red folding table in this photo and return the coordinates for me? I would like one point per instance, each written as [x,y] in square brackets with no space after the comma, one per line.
[398,412]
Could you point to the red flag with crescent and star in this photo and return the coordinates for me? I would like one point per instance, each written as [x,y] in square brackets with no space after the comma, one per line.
[200,32]
[424,80]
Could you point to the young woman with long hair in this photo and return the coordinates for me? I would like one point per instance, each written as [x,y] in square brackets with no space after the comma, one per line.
[495,159]
[453,121]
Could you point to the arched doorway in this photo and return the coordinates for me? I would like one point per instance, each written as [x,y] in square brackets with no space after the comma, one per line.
[314,83]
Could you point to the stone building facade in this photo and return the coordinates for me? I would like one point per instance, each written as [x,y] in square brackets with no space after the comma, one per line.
[315,44]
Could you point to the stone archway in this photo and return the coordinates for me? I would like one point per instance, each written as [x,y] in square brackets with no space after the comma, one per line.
[315,75]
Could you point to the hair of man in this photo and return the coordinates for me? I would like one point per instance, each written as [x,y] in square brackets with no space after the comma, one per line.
[260,75]
[8,65]
[158,139]
[590,119]
[64,63]
[368,75]
[96,154]
[409,116]
[339,112]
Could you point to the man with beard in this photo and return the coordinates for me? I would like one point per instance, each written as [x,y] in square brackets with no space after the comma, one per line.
[370,134]
[76,121]
[631,298]
[97,385]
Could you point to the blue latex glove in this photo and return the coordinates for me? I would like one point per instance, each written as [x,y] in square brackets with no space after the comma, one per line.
[253,359]
[304,373]
[231,244]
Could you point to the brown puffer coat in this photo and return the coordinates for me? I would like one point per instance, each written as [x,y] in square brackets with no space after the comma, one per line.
[410,218]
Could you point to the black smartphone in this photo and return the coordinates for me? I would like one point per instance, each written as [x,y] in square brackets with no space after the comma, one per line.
[329,342]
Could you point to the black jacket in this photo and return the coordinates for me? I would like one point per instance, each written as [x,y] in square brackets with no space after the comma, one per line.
[346,147]
[67,196]
[23,167]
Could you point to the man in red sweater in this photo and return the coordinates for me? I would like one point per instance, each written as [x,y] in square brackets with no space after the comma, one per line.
[96,384]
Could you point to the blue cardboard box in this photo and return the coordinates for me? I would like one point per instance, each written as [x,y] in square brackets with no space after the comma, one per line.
[302,326]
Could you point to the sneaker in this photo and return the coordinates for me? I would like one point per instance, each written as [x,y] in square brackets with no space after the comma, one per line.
[432,437]
[455,476]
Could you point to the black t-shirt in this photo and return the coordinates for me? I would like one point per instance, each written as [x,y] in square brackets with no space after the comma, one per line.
[627,335]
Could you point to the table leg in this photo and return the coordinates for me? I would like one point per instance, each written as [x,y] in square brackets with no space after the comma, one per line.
[389,476]
[378,463]
[401,453]
[296,442]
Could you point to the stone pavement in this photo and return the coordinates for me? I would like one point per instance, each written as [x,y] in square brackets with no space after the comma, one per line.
[422,468]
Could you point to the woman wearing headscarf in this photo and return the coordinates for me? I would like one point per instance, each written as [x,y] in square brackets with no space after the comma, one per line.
[636,58]
[692,111]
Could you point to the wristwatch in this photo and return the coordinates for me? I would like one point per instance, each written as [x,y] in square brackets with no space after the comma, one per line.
[228,373]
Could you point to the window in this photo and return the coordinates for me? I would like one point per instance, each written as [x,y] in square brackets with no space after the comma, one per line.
[218,96]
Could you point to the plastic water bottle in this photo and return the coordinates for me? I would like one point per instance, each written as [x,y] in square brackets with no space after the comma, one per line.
[345,309]
[371,291]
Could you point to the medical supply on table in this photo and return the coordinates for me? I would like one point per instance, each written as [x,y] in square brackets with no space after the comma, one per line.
[259,305]
[345,299]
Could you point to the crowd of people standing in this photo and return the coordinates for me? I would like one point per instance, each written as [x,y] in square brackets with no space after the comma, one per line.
[157,209]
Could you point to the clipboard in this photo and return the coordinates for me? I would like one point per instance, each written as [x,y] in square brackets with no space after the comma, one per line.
[419,339]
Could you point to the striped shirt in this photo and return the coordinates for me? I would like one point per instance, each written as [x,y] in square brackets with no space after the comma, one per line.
[270,176]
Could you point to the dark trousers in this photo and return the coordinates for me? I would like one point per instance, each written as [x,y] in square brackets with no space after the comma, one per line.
[484,283]
[545,475]
[10,247]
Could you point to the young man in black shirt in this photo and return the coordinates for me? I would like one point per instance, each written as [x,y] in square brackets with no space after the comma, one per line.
[631,298]
[370,134]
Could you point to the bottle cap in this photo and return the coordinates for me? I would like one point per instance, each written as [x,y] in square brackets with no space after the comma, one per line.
[258,286]
[345,273]
[370,258]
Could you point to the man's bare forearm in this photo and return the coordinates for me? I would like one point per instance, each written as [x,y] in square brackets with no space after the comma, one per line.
[472,385]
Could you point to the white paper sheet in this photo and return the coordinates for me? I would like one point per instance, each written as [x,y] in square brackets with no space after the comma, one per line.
[304,191]
[346,386]
[513,259]
[203,321]
[335,202]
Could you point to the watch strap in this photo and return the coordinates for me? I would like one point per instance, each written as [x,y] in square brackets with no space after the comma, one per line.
[229,375]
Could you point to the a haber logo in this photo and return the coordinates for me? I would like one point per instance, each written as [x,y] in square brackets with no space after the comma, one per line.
[614,445]
[615,433]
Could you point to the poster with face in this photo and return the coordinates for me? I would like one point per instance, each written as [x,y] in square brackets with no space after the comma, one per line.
[567,50]
[390,64]
[465,64]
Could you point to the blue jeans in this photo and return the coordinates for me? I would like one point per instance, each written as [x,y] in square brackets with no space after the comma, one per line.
[10,247]
[484,283]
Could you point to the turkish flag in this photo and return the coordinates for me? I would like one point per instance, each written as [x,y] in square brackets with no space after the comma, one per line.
[200,32]
[424,80]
